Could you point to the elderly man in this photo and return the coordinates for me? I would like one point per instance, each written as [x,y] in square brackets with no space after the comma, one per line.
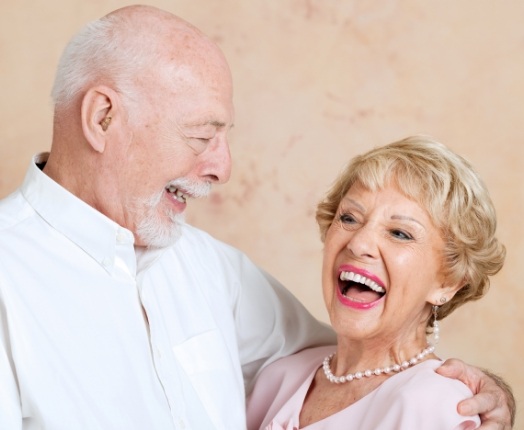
[114,313]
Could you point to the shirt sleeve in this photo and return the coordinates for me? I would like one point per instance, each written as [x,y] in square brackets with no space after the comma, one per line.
[271,322]
[10,408]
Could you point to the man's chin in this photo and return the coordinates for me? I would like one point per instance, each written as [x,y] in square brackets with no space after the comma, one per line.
[160,234]
[161,242]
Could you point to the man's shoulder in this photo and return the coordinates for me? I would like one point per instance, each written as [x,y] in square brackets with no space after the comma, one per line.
[13,210]
[194,239]
[192,234]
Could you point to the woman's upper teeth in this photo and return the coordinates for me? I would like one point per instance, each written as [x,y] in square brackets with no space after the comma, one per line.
[355,277]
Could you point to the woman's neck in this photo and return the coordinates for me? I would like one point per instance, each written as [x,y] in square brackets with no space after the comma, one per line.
[359,355]
[326,397]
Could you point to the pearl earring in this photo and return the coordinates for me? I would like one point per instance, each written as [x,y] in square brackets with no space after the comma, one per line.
[436,327]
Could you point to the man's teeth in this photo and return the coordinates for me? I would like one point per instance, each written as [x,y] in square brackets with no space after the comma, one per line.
[179,195]
[355,277]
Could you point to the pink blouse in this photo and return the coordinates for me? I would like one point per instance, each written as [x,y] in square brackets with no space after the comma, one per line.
[416,399]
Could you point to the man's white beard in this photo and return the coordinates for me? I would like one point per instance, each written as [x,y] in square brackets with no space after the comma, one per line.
[156,230]
[159,229]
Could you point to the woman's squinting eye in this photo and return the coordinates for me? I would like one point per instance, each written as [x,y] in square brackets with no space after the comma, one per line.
[346,218]
[401,234]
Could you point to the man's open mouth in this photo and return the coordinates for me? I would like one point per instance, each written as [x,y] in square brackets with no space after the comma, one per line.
[177,193]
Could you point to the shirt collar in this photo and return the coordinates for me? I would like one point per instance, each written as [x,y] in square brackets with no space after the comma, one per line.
[89,229]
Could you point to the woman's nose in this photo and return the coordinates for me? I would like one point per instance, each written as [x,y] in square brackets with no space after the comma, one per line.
[363,242]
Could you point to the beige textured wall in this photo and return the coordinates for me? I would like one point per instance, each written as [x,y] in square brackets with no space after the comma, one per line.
[317,82]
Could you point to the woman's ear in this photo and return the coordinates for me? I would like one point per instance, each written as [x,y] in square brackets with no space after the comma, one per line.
[446,292]
[97,112]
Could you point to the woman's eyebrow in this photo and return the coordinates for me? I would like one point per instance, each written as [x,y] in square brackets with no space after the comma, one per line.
[407,218]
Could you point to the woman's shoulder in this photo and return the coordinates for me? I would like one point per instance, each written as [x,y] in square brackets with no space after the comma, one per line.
[420,395]
[422,382]
[417,377]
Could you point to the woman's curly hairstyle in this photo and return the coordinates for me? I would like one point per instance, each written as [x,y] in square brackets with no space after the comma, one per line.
[446,185]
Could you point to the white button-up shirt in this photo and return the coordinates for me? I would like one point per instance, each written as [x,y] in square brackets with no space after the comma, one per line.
[94,336]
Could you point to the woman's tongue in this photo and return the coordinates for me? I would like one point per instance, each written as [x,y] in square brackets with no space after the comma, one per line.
[360,293]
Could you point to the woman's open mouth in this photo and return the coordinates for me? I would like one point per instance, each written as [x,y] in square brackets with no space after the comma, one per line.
[359,289]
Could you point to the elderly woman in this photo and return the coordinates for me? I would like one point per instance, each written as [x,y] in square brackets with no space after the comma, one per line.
[409,236]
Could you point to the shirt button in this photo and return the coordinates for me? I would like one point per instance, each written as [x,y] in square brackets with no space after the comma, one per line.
[121,237]
[107,262]
[181,423]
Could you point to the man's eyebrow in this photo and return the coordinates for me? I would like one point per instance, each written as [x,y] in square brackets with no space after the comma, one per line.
[217,124]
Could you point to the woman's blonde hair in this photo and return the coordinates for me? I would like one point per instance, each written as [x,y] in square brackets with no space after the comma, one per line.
[447,186]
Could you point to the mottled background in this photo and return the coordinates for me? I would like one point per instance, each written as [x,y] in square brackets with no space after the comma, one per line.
[316,82]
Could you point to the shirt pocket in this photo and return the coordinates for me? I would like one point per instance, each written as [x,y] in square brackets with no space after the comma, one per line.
[205,352]
[214,376]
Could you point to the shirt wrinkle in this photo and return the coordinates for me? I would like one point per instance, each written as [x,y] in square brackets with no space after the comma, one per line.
[76,350]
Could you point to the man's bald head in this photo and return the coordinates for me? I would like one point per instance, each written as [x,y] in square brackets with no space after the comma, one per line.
[129,46]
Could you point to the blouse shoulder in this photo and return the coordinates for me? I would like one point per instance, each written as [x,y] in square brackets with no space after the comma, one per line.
[278,381]
[421,398]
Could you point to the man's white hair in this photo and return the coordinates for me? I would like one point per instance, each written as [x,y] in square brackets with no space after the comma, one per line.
[104,52]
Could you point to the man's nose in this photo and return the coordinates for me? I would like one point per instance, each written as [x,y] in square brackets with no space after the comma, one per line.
[217,163]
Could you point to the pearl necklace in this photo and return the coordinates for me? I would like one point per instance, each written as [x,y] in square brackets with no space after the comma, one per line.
[326,366]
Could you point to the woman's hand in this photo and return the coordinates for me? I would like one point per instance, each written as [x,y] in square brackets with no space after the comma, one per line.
[493,399]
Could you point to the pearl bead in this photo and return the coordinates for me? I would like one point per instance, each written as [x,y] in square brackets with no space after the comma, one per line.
[326,367]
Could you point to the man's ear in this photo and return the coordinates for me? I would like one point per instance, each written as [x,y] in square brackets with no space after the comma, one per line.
[97,112]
